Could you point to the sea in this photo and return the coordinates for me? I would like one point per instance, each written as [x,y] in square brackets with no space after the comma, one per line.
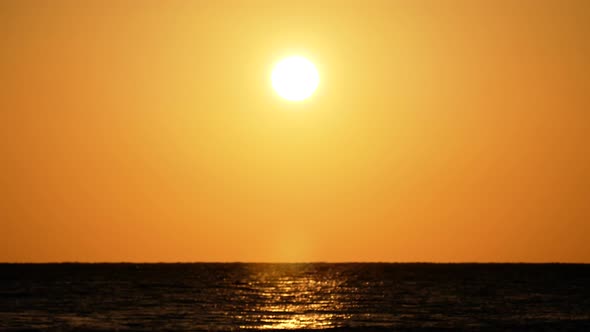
[303,297]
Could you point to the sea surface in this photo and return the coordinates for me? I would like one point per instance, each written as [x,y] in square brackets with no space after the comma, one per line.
[341,297]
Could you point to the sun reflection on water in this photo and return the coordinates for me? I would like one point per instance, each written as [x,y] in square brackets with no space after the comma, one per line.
[292,300]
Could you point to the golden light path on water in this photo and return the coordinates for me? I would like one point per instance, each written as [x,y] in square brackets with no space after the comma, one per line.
[294,301]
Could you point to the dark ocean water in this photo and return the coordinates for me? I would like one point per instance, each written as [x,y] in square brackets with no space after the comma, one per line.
[377,297]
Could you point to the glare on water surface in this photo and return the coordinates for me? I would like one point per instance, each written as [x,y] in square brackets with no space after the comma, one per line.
[294,301]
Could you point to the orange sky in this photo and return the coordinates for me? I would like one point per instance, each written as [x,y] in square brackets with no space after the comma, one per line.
[441,131]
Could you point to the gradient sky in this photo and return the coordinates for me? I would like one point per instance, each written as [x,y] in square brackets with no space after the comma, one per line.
[149,131]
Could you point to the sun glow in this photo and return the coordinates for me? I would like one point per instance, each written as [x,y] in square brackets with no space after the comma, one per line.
[295,78]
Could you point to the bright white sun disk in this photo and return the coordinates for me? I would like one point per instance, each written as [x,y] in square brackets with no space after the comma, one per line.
[295,78]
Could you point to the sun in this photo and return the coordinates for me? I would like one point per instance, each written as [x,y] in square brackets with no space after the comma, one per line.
[295,78]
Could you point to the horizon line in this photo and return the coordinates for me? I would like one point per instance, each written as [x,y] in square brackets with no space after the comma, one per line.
[293,263]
